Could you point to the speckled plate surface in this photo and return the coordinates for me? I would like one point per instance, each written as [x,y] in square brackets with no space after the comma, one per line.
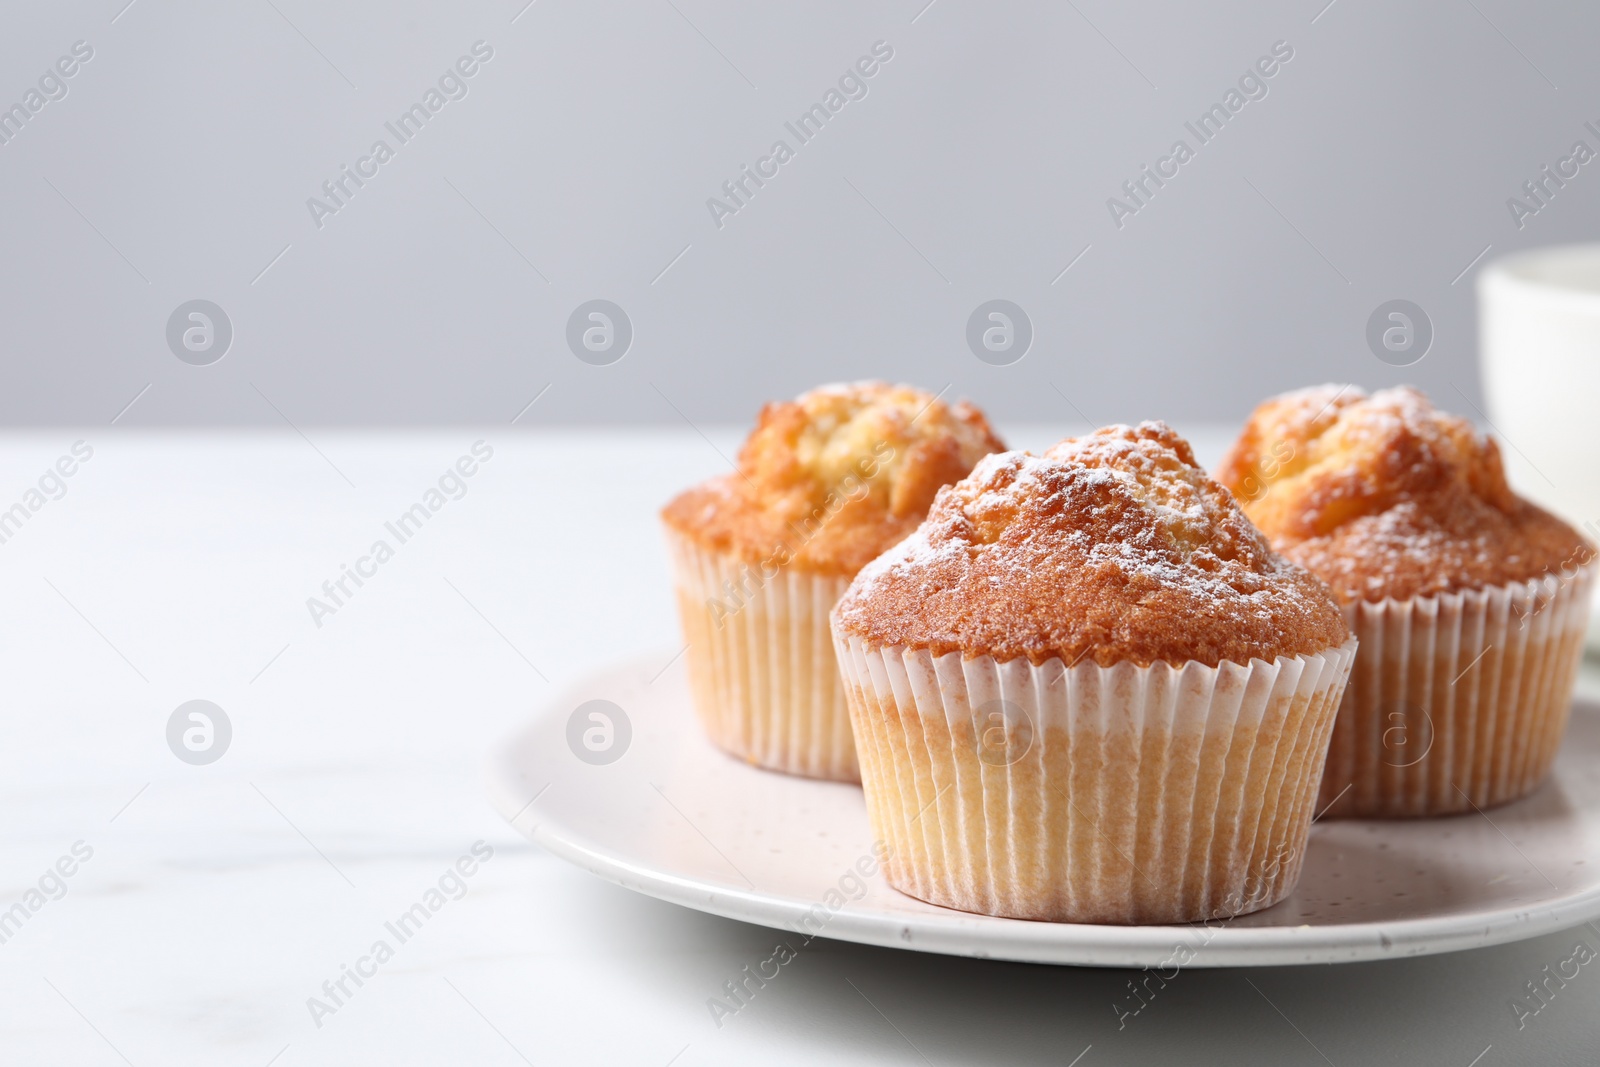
[671,816]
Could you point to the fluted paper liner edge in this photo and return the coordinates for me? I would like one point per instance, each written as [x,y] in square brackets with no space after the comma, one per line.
[761,661]
[1139,794]
[1457,701]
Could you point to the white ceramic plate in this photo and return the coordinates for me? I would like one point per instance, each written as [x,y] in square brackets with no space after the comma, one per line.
[677,819]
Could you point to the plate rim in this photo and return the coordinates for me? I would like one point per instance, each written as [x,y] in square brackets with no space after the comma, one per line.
[978,936]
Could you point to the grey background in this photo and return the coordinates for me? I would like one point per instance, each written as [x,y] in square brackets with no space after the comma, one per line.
[977,167]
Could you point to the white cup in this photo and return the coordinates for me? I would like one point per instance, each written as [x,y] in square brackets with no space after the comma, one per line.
[1539,332]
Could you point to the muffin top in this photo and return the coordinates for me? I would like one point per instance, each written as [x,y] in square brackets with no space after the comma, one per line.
[1115,546]
[831,479]
[1386,496]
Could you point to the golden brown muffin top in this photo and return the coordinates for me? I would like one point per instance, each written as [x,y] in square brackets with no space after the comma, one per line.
[1115,545]
[1386,496]
[831,479]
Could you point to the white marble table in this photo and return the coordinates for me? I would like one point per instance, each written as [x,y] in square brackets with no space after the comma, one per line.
[220,898]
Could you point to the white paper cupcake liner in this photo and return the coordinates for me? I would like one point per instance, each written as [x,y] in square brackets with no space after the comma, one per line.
[1456,701]
[761,662]
[1091,794]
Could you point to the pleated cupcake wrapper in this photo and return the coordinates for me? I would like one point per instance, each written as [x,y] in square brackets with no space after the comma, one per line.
[1457,700]
[761,662]
[1091,794]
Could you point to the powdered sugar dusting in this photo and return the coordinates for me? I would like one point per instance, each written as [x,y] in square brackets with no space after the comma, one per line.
[1116,543]
[1384,496]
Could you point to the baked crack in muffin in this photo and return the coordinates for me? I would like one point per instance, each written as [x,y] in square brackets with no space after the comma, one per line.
[1469,602]
[1085,690]
[825,483]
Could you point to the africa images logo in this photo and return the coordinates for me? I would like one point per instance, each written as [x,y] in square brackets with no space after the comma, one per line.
[1543,186]
[852,85]
[452,85]
[1252,85]
[451,485]
[52,86]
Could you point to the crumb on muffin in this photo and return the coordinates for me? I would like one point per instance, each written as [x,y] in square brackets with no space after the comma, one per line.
[1115,546]
[1384,496]
[831,479]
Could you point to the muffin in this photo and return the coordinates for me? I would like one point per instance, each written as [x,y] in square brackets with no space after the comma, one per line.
[1469,602]
[824,483]
[1085,690]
